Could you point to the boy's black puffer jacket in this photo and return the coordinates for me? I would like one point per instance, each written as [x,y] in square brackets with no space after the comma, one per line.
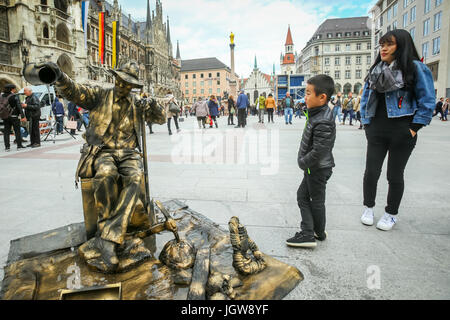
[318,140]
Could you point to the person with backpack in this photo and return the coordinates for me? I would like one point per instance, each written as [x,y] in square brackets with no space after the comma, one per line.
[349,104]
[288,104]
[10,111]
[172,111]
[337,103]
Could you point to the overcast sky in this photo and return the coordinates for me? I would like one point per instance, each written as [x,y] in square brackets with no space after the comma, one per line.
[202,27]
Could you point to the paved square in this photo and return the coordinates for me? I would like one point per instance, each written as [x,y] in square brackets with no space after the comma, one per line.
[413,261]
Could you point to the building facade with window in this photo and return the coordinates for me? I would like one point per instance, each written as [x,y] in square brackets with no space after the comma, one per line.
[429,25]
[51,30]
[259,83]
[340,48]
[201,78]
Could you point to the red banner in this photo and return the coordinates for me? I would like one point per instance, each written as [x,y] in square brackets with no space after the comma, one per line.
[101,37]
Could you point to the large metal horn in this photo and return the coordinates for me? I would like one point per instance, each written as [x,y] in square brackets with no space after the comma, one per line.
[39,75]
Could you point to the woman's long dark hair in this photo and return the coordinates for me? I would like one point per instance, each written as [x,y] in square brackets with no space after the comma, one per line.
[405,54]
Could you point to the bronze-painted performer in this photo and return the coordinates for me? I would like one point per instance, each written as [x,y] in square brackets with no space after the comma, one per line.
[112,153]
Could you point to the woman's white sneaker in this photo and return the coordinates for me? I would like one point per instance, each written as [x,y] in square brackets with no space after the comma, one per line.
[367,217]
[386,222]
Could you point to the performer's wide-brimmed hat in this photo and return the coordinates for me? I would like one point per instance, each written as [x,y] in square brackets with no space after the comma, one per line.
[129,72]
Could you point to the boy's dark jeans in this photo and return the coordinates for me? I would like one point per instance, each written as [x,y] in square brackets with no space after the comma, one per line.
[311,200]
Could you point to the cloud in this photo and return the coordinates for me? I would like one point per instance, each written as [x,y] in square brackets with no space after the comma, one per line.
[260,27]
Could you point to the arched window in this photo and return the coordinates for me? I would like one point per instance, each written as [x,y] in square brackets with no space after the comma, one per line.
[337,88]
[357,88]
[61,5]
[62,33]
[347,88]
[65,64]
[45,32]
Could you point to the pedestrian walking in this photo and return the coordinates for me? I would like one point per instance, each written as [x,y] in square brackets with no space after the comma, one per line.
[315,158]
[348,106]
[213,110]
[172,111]
[231,110]
[398,100]
[33,114]
[85,117]
[337,103]
[201,111]
[279,109]
[242,105]
[144,96]
[261,107]
[58,113]
[358,109]
[438,108]
[12,114]
[445,108]
[270,107]
[288,104]
[72,115]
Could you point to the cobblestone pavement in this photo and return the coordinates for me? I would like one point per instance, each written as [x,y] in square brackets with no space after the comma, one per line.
[259,185]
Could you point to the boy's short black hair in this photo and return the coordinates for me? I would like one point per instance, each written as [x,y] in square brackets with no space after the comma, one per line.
[322,84]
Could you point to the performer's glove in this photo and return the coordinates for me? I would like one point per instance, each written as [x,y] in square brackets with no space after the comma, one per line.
[170,225]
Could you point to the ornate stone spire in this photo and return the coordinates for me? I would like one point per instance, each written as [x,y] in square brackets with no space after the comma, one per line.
[178,57]
[148,26]
[169,42]
[148,23]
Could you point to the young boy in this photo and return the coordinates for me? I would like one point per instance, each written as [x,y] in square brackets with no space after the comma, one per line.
[315,158]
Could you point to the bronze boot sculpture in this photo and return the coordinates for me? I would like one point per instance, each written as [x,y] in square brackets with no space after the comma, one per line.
[243,250]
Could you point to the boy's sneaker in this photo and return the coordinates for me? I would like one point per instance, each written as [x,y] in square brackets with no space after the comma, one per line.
[367,217]
[386,222]
[300,240]
[322,237]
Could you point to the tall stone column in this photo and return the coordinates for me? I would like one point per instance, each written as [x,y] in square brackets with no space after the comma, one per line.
[233,83]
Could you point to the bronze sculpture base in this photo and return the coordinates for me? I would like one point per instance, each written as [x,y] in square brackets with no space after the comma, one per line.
[44,275]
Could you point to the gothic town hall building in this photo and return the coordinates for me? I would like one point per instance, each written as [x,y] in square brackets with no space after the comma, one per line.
[52,30]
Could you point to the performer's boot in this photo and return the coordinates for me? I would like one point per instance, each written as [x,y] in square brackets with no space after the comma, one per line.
[100,254]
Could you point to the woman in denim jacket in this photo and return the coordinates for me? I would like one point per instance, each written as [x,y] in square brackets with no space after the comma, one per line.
[398,100]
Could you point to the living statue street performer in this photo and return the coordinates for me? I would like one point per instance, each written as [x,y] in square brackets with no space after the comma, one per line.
[113,136]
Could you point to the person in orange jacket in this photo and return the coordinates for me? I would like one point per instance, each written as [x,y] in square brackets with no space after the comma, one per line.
[270,106]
